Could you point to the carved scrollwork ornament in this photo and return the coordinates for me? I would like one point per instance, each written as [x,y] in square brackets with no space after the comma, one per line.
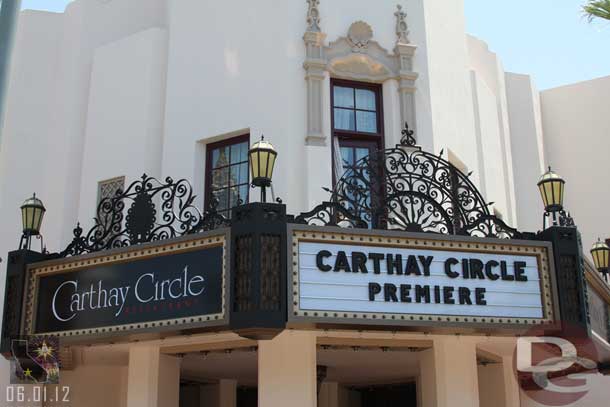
[359,36]
[313,16]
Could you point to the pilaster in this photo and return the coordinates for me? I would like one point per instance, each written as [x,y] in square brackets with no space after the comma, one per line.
[287,370]
[153,379]
[315,66]
[449,374]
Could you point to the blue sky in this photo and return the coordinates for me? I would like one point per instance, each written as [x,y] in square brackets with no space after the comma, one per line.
[548,39]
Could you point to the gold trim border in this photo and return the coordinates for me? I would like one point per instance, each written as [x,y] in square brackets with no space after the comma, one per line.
[541,253]
[35,272]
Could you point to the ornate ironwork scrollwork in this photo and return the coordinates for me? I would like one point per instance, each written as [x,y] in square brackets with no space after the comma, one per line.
[406,188]
[491,226]
[558,218]
[148,210]
[407,137]
[331,214]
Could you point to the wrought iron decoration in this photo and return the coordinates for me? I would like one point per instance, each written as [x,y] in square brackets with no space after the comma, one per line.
[176,216]
[401,188]
[406,188]
[560,218]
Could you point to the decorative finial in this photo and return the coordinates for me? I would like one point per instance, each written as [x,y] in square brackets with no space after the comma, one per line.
[402,30]
[407,137]
[313,16]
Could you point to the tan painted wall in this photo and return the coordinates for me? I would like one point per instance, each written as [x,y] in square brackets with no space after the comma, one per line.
[492,392]
[95,386]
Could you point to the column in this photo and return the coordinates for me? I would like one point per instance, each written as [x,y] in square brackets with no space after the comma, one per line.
[329,395]
[227,393]
[511,384]
[153,379]
[287,370]
[498,384]
[448,374]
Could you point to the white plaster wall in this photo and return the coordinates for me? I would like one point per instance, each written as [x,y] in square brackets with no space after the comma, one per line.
[25,138]
[527,148]
[124,129]
[88,25]
[489,74]
[446,80]
[491,147]
[577,141]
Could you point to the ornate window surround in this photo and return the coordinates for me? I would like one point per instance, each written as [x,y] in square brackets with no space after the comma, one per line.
[355,56]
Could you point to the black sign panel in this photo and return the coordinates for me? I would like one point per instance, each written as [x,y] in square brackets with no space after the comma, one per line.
[174,286]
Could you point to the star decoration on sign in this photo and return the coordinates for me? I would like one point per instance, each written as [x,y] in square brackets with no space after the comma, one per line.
[44,351]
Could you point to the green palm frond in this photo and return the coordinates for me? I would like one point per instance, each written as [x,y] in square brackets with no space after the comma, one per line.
[597,9]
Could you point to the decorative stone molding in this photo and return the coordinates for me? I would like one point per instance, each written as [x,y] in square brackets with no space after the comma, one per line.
[372,63]
[356,56]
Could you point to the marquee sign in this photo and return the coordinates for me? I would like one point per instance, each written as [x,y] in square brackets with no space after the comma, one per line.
[181,283]
[341,276]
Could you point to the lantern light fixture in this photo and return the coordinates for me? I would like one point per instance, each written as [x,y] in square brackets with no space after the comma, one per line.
[601,257]
[262,161]
[552,187]
[32,213]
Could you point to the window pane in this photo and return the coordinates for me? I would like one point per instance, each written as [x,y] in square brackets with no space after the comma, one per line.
[243,193]
[222,197]
[366,122]
[365,99]
[239,153]
[234,196]
[220,157]
[344,119]
[239,174]
[344,97]
[220,178]
[361,153]
[347,155]
[243,151]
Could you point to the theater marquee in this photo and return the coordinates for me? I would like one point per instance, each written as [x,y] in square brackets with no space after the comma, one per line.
[174,285]
[386,278]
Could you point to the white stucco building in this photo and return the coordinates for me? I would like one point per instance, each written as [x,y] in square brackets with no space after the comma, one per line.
[109,90]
